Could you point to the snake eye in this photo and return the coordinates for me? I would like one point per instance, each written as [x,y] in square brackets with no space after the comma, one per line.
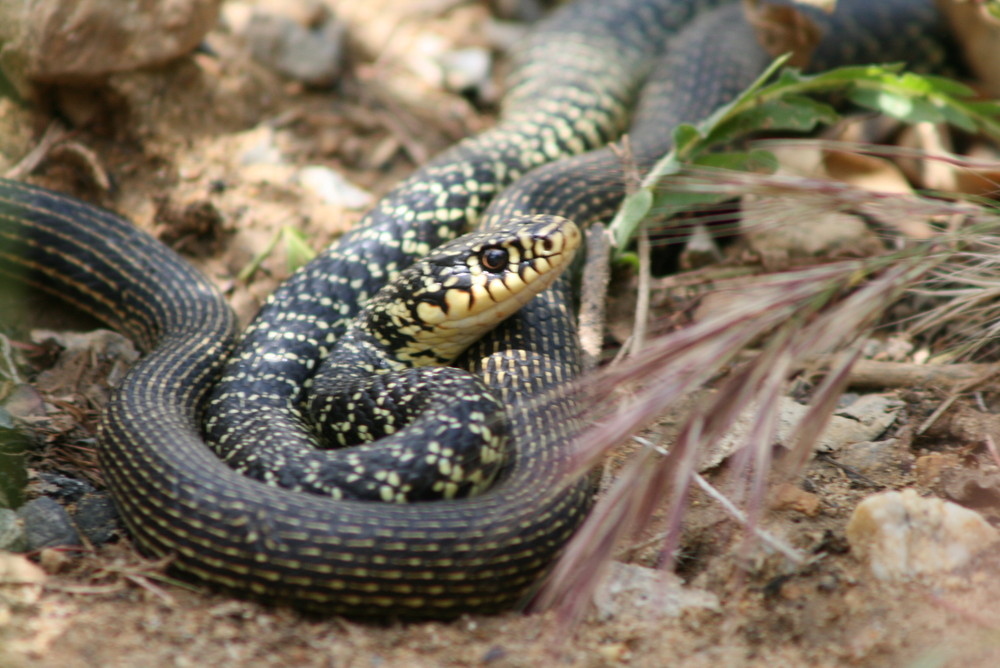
[494,259]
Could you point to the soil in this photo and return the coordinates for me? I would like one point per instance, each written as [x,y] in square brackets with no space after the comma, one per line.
[169,146]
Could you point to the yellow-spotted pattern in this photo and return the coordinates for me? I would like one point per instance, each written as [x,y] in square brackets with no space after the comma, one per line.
[570,92]
[429,433]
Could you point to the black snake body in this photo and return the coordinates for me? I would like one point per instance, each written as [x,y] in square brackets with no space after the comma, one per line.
[569,94]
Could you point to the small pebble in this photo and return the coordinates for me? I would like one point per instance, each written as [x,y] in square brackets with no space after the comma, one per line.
[613,652]
[333,188]
[62,487]
[791,497]
[494,653]
[466,69]
[47,524]
[632,589]
[929,467]
[871,457]
[54,561]
[901,535]
[260,148]
[310,54]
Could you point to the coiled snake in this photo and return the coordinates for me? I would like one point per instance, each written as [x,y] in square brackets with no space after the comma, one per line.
[570,92]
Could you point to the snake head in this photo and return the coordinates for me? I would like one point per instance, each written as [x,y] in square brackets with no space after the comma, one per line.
[449,299]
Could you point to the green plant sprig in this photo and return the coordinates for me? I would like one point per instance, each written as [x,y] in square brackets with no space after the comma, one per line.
[785,105]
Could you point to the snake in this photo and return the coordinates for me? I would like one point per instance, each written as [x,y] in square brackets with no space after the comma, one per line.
[577,80]
[385,382]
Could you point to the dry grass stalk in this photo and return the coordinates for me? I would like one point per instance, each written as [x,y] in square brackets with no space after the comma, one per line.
[803,314]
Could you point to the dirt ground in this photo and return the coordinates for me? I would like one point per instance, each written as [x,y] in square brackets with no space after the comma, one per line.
[178,149]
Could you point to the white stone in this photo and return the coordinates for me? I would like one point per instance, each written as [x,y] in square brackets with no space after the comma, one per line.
[333,188]
[632,589]
[901,535]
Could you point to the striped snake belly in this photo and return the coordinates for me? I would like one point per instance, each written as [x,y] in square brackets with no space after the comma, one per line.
[439,559]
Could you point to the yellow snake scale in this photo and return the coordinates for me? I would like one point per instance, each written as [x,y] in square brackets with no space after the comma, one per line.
[574,81]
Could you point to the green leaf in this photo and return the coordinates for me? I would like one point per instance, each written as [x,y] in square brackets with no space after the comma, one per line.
[907,108]
[633,210]
[297,252]
[757,160]
[793,113]
[297,249]
[932,84]
[672,202]
[846,76]
[686,134]
[957,117]
[628,259]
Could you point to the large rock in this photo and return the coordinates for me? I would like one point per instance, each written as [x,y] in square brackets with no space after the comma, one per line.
[55,41]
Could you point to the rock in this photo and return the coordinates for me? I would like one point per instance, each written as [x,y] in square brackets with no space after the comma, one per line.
[872,457]
[15,143]
[791,497]
[61,486]
[12,537]
[307,52]
[466,70]
[333,188]
[901,535]
[24,402]
[928,468]
[89,363]
[47,524]
[55,560]
[20,580]
[96,517]
[865,419]
[631,589]
[53,41]
[259,147]
[979,488]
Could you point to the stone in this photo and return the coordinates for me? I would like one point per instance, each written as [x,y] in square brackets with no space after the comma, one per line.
[864,419]
[902,535]
[311,54]
[790,497]
[62,487]
[47,524]
[629,589]
[96,517]
[466,70]
[333,188]
[20,580]
[54,41]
